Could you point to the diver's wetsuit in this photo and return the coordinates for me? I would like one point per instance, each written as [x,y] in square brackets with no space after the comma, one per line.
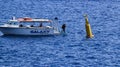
[63,27]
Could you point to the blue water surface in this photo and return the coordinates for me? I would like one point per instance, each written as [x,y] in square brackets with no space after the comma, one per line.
[72,50]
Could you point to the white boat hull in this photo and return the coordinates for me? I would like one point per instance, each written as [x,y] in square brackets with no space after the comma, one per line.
[28,31]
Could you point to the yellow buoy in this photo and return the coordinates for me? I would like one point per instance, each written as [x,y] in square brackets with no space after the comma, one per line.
[88,28]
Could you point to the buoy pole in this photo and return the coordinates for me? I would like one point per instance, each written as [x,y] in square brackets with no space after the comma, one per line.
[88,28]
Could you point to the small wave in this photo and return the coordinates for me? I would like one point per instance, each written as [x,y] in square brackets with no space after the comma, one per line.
[75,63]
[68,56]
[91,57]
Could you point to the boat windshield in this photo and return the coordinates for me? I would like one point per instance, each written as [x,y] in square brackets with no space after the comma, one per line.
[13,23]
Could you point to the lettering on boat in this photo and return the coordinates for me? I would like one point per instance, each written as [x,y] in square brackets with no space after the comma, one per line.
[39,31]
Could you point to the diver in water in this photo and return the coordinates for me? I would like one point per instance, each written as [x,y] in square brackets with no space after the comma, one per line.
[64,27]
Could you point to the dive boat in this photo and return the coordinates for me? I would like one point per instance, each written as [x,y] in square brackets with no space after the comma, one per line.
[30,26]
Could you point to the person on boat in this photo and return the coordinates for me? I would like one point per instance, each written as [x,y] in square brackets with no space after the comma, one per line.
[41,25]
[31,26]
[20,25]
[64,27]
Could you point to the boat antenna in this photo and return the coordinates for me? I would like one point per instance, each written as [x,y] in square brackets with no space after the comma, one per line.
[56,23]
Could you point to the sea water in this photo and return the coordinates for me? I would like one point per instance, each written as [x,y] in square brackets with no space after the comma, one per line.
[63,51]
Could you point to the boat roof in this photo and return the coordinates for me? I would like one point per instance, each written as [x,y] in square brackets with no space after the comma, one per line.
[26,19]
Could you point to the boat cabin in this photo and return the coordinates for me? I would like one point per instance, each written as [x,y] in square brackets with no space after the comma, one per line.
[29,22]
